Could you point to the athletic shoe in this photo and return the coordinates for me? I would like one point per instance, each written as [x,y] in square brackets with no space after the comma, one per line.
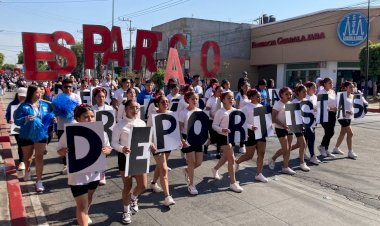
[315,160]
[215,174]
[237,166]
[192,190]
[337,151]
[306,157]
[169,169]
[89,221]
[134,206]
[186,175]
[261,178]
[272,164]
[169,201]
[155,187]
[329,154]
[21,166]
[126,217]
[242,150]
[322,150]
[39,186]
[352,154]
[64,170]
[102,180]
[288,171]
[27,176]
[304,167]
[236,187]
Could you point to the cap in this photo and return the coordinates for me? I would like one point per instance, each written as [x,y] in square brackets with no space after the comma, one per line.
[22,91]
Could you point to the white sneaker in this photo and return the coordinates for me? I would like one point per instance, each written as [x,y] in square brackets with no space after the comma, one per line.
[192,190]
[215,174]
[337,151]
[169,201]
[21,166]
[288,171]
[352,154]
[322,150]
[39,186]
[155,187]
[242,150]
[186,175]
[271,164]
[27,176]
[304,167]
[89,221]
[237,166]
[315,160]
[169,169]
[126,217]
[236,187]
[329,154]
[64,170]
[134,206]
[261,178]
[306,157]
[102,180]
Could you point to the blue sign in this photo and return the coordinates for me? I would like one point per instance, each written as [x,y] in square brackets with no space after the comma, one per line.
[352,29]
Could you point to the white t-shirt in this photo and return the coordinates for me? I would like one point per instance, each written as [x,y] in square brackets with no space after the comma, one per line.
[280,107]
[214,104]
[104,107]
[182,104]
[331,103]
[122,130]
[183,118]
[221,120]
[198,89]
[170,96]
[82,178]
[248,111]
[62,121]
[243,100]
[119,94]
[208,93]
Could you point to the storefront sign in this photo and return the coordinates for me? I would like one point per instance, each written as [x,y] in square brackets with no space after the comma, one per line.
[289,40]
[352,29]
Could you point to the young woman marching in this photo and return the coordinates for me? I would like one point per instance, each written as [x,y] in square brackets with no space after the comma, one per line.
[310,132]
[220,125]
[241,100]
[282,131]
[300,92]
[194,154]
[260,144]
[120,142]
[161,170]
[346,123]
[330,125]
[83,185]
[213,104]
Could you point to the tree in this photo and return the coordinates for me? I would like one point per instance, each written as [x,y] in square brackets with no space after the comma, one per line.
[77,48]
[374,59]
[158,78]
[20,57]
[1,59]
[8,67]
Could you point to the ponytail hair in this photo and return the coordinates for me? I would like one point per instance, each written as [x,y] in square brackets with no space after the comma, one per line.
[251,93]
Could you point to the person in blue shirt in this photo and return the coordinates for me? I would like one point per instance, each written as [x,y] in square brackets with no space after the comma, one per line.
[262,88]
[147,93]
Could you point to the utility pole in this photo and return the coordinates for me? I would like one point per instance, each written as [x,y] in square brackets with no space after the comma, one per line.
[113,15]
[130,29]
[367,65]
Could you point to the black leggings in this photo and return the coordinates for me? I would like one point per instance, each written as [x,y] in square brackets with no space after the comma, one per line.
[329,129]
[59,134]
[19,149]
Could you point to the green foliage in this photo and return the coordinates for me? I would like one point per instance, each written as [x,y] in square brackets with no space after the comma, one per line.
[8,67]
[1,59]
[77,48]
[374,59]
[158,78]
[117,70]
[20,57]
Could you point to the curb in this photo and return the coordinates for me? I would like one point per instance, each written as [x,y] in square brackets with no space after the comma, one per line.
[16,206]
[374,110]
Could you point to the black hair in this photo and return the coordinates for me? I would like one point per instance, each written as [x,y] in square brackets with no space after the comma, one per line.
[82,108]
[241,87]
[224,82]
[262,82]
[251,93]
[66,81]
[196,76]
[29,93]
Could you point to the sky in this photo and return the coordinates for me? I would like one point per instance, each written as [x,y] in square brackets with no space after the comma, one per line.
[47,16]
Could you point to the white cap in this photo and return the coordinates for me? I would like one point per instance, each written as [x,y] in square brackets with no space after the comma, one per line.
[22,91]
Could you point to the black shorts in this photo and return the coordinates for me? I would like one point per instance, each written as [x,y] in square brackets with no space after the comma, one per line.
[298,134]
[157,153]
[78,190]
[213,133]
[344,122]
[195,148]
[282,132]
[221,139]
[252,141]
[25,142]
[121,161]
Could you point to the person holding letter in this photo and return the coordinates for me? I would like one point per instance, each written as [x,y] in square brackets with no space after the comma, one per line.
[330,125]
[346,122]
[260,144]
[310,132]
[120,142]
[131,95]
[241,100]
[300,92]
[83,185]
[213,104]
[194,154]
[220,125]
[161,170]
[34,118]
[174,94]
[282,131]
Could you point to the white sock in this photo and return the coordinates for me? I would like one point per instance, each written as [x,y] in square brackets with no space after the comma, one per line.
[126,208]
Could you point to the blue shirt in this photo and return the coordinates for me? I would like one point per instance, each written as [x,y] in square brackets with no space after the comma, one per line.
[264,96]
[144,95]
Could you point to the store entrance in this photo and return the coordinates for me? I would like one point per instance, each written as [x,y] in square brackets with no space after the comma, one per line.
[293,77]
[348,75]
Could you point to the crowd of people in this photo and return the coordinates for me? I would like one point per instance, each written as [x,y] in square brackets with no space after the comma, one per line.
[42,113]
